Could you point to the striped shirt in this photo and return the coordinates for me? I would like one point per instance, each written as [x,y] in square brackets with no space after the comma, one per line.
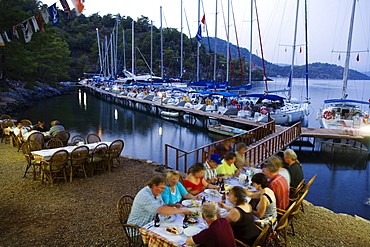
[280,188]
[209,172]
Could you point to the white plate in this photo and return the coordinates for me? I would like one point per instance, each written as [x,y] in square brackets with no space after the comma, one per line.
[211,191]
[191,231]
[190,203]
[167,218]
[181,230]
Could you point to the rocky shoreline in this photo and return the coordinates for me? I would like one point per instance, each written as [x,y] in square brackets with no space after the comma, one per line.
[19,98]
[82,213]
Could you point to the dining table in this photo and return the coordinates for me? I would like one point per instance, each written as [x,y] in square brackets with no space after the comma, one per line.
[45,154]
[160,237]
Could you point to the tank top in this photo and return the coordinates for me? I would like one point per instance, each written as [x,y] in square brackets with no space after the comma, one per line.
[270,209]
[244,228]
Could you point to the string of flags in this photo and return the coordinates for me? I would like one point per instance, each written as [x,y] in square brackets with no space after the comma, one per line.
[199,33]
[37,20]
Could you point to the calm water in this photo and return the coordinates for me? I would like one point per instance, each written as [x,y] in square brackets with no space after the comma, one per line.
[343,189]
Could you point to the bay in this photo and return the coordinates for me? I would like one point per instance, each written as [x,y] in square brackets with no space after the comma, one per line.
[341,188]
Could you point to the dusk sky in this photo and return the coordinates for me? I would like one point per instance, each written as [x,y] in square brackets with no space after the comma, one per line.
[328,24]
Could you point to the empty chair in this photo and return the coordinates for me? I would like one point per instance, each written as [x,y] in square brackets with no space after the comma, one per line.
[63,135]
[93,138]
[55,167]
[27,148]
[26,122]
[37,137]
[114,152]
[77,161]
[54,143]
[77,139]
[3,117]
[98,158]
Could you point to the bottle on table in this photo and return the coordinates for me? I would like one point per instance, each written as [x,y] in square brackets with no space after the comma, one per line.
[157,220]
[185,223]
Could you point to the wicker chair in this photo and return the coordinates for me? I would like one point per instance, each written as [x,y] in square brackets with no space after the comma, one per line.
[27,148]
[26,122]
[54,143]
[98,158]
[37,137]
[77,164]
[77,139]
[3,117]
[132,232]
[93,138]
[63,135]
[114,152]
[55,167]
[5,125]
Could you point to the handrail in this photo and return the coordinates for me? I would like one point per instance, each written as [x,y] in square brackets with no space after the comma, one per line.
[202,153]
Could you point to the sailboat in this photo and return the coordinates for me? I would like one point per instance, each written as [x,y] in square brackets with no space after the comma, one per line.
[285,110]
[346,114]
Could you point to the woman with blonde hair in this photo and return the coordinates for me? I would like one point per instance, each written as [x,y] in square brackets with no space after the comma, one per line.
[174,191]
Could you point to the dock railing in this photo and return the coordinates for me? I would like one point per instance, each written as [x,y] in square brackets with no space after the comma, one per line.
[182,158]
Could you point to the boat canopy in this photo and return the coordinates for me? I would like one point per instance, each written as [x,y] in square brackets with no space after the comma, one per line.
[202,92]
[226,94]
[345,101]
[244,87]
[179,89]
[267,96]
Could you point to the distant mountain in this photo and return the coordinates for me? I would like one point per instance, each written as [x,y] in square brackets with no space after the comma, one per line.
[316,70]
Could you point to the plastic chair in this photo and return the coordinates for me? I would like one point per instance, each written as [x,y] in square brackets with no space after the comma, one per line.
[114,152]
[63,135]
[77,162]
[55,166]
[54,143]
[93,138]
[27,148]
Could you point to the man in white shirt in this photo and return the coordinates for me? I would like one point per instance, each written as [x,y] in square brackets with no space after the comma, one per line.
[210,165]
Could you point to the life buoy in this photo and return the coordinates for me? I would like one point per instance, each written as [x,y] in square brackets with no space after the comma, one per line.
[264,110]
[365,119]
[327,115]
[238,107]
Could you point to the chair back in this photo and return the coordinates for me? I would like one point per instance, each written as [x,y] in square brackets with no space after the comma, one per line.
[93,138]
[58,158]
[123,208]
[54,143]
[38,137]
[7,124]
[63,135]
[28,147]
[79,153]
[283,222]
[2,117]
[298,204]
[115,148]
[26,122]
[133,235]
[76,139]
[100,151]
[294,192]
[307,186]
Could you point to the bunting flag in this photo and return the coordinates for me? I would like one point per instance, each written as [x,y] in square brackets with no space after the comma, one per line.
[35,24]
[78,5]
[9,33]
[39,22]
[1,41]
[54,14]
[199,33]
[300,49]
[45,15]
[27,31]
[15,31]
[66,9]
[358,57]
[203,21]
[6,36]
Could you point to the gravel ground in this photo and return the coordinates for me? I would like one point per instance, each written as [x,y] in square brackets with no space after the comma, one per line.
[82,213]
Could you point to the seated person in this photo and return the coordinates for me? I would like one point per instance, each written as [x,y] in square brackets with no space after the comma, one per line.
[266,207]
[210,166]
[278,162]
[241,216]
[218,233]
[228,167]
[55,127]
[20,131]
[194,182]
[40,126]
[148,202]
[240,156]
[295,168]
[223,148]
[175,191]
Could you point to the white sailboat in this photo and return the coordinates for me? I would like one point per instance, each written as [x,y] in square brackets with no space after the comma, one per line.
[346,114]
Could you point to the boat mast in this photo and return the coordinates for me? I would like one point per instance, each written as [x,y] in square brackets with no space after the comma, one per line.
[151,49]
[293,54]
[124,48]
[306,39]
[215,48]
[228,41]
[181,43]
[133,48]
[199,44]
[251,46]
[348,54]
[116,48]
[100,58]
[162,72]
